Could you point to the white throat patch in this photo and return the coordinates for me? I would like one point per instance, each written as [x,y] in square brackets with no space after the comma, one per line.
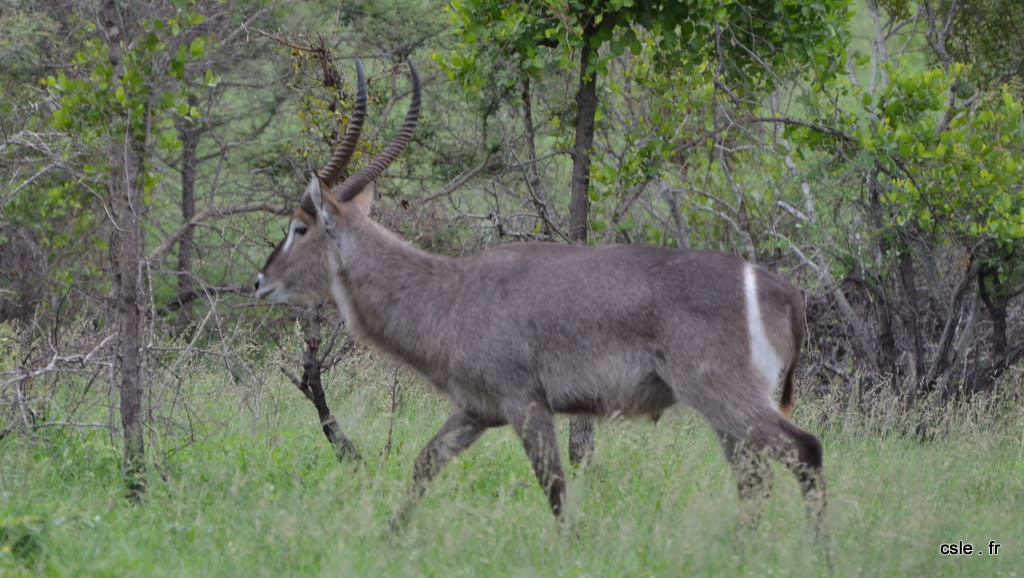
[341,300]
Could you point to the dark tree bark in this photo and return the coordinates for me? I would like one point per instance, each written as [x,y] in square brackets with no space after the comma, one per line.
[311,386]
[586,112]
[992,294]
[909,309]
[581,429]
[126,251]
[189,134]
[887,350]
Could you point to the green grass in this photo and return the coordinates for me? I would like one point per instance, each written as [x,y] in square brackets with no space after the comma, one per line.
[252,489]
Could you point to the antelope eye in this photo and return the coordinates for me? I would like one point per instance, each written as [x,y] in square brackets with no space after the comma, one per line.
[301,230]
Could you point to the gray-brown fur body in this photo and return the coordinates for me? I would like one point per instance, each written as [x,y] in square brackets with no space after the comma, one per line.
[521,332]
[600,330]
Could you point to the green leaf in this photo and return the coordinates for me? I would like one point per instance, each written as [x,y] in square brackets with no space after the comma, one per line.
[198,47]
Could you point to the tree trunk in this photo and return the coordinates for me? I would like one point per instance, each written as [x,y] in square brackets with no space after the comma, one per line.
[886,353]
[127,254]
[581,429]
[586,112]
[910,299]
[189,134]
[126,251]
[992,295]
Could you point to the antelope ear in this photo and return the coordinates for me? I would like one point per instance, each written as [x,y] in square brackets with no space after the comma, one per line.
[312,198]
[364,198]
[313,202]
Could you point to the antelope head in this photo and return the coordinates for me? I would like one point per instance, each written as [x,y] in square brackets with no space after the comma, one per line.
[297,271]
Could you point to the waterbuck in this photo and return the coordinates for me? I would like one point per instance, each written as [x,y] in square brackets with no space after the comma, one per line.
[523,331]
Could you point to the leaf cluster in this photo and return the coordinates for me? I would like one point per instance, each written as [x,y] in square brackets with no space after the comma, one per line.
[954,169]
[747,41]
[124,92]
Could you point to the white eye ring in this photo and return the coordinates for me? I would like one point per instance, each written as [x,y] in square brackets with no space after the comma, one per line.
[297,229]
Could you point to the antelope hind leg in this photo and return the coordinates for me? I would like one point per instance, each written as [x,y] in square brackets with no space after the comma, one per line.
[754,479]
[581,439]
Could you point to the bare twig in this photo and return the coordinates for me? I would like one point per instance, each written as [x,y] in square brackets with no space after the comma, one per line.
[59,361]
[282,41]
[454,184]
[942,358]
[540,204]
[182,299]
[394,410]
[8,430]
[207,215]
[824,129]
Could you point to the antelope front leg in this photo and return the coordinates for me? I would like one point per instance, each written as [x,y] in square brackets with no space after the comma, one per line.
[536,429]
[457,434]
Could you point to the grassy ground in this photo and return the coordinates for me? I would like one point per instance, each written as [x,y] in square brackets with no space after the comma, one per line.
[247,486]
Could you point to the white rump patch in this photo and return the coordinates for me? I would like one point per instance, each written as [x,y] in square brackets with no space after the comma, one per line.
[763,356]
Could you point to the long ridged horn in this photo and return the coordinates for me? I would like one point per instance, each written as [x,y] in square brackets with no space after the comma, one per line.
[330,173]
[348,189]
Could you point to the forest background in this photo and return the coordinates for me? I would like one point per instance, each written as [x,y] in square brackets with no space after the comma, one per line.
[150,152]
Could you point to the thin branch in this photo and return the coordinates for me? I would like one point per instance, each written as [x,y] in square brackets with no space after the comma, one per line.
[58,361]
[297,382]
[793,211]
[456,183]
[9,429]
[183,299]
[4,199]
[207,215]
[824,129]
[247,25]
[538,203]
[280,40]
[941,360]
